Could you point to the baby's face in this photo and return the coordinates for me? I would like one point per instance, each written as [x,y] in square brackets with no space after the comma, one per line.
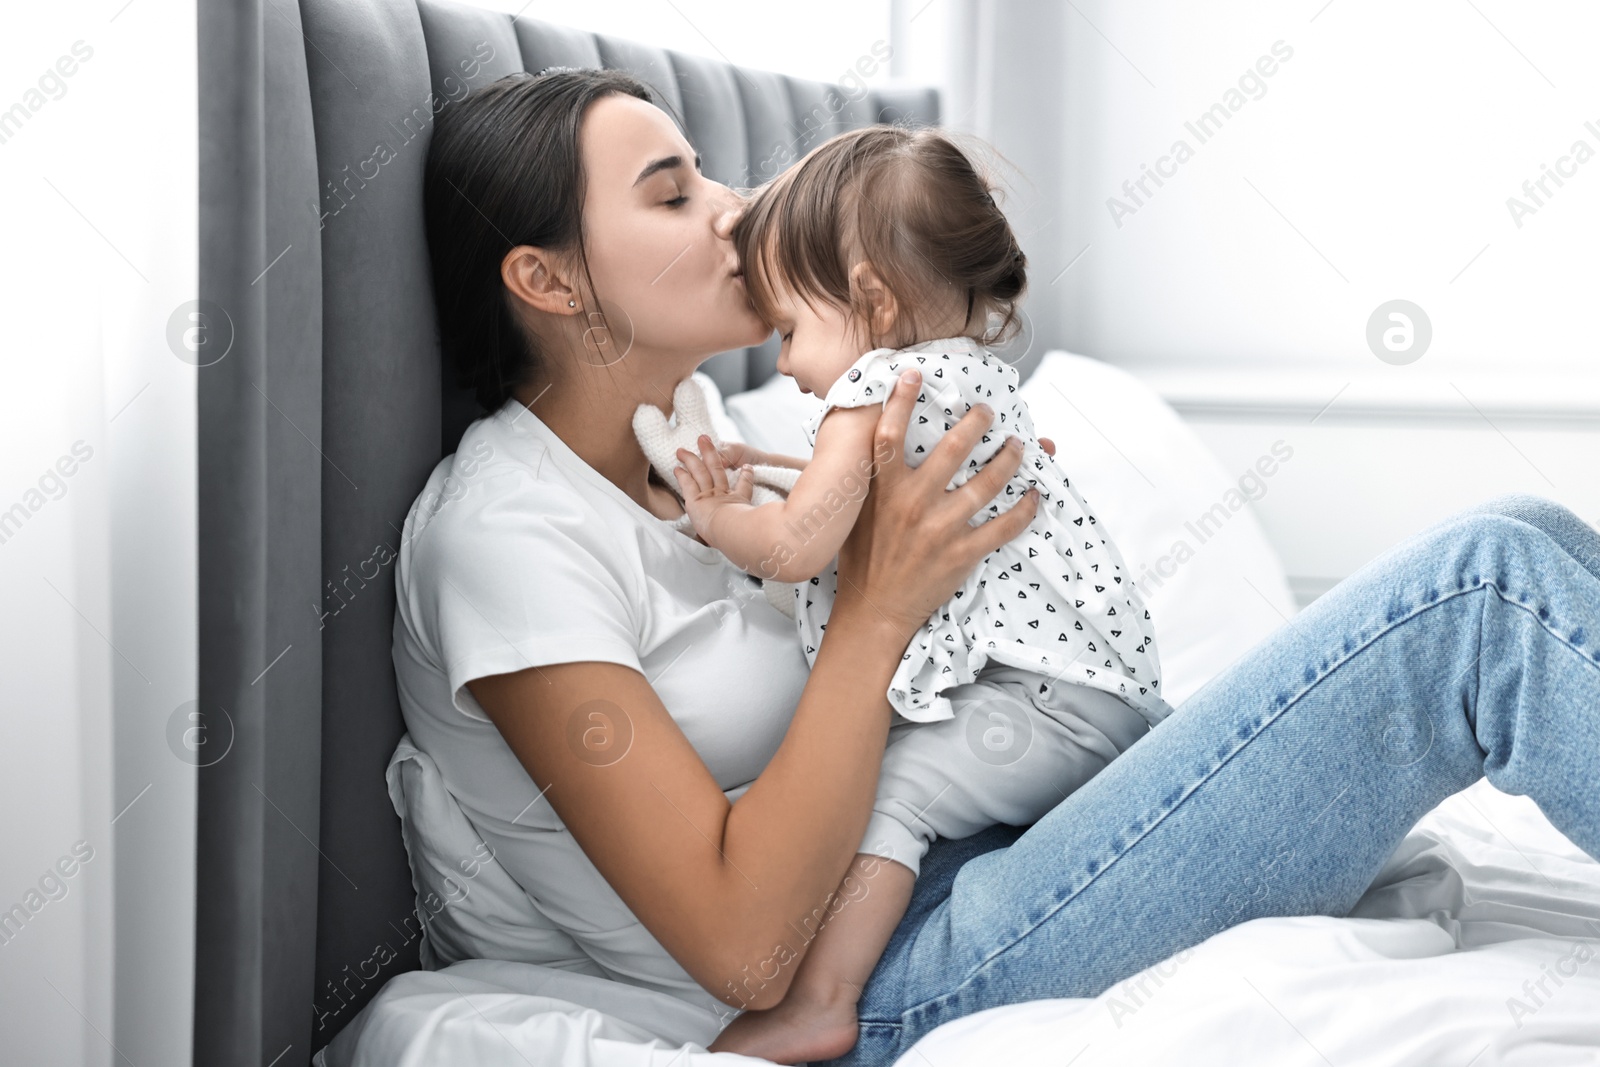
[819,343]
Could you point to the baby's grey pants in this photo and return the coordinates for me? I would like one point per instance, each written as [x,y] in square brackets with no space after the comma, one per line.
[1017,746]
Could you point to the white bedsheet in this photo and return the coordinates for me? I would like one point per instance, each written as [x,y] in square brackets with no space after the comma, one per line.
[1482,896]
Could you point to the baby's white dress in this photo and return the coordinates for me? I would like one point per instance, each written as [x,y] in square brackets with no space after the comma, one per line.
[1056,601]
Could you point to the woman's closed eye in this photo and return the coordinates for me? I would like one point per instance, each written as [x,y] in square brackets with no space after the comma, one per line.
[677,201]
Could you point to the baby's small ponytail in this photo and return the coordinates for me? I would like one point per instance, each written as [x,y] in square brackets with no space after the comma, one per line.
[999,273]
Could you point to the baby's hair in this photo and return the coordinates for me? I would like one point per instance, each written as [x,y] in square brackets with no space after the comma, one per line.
[907,201]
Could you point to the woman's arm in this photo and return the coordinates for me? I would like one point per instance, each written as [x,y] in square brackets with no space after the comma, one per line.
[729,889]
[794,538]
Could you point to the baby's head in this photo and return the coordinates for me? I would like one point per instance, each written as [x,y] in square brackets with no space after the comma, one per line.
[882,237]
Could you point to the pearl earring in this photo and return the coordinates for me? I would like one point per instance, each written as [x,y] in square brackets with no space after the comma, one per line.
[572,303]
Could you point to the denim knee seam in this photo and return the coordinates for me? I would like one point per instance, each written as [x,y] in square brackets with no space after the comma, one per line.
[1541,615]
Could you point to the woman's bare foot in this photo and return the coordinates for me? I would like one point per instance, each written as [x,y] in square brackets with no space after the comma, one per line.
[800,1029]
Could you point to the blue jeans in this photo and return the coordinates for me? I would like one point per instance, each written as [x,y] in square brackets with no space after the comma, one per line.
[1283,785]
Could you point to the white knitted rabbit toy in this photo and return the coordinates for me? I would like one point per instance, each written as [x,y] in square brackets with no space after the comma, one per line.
[691,417]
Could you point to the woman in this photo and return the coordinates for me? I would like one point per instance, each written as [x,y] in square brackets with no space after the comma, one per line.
[631,727]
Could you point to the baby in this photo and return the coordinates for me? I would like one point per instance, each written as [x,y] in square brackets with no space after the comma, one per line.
[883,250]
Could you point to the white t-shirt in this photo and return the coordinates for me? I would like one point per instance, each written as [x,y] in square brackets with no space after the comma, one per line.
[519,554]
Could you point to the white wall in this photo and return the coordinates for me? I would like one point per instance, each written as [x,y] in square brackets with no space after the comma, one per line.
[1374,163]
[97,570]
[1380,463]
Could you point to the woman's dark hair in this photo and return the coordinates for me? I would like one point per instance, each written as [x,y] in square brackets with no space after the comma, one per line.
[909,202]
[504,169]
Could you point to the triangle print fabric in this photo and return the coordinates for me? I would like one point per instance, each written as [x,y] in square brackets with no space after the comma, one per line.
[1056,600]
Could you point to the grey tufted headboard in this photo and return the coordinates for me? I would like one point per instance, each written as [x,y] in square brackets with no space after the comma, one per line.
[317,431]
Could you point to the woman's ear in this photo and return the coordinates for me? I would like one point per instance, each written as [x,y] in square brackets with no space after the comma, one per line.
[534,277]
[885,310]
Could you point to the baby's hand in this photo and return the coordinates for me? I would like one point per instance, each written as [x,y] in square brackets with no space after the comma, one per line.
[703,480]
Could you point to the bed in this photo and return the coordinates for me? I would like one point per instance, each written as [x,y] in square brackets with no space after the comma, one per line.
[1474,946]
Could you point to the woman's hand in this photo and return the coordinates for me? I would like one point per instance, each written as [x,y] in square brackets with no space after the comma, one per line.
[912,546]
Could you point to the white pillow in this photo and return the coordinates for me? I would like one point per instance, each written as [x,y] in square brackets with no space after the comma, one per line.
[1213,583]
[1149,477]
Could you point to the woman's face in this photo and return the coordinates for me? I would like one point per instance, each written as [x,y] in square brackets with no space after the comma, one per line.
[657,235]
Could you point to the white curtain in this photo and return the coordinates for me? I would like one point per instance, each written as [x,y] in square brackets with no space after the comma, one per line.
[999,68]
[97,533]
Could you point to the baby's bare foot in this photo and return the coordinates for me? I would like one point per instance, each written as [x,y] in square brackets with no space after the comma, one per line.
[798,1030]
